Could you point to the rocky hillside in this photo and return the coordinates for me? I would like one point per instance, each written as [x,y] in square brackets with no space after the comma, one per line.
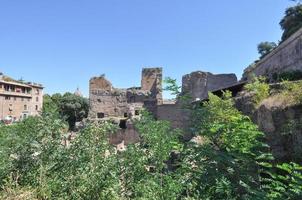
[278,113]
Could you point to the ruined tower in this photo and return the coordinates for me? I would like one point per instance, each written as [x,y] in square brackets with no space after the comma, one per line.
[152,81]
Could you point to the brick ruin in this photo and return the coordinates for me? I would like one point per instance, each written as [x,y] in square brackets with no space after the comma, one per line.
[122,105]
[196,85]
[109,102]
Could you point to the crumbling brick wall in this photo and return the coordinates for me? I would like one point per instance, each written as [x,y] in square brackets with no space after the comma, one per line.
[107,101]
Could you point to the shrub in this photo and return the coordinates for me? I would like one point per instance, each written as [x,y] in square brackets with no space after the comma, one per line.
[288,76]
[226,166]
[292,91]
[143,166]
[233,163]
[285,182]
[259,88]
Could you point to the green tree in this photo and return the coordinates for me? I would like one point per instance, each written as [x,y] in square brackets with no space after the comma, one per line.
[70,107]
[74,108]
[265,48]
[292,21]
[49,105]
[226,165]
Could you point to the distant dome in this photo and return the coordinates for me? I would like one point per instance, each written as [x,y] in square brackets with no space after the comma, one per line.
[78,92]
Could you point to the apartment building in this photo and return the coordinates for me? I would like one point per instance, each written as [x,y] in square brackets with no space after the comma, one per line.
[19,100]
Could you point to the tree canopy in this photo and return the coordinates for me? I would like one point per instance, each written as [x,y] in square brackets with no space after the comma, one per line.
[265,48]
[69,106]
[292,21]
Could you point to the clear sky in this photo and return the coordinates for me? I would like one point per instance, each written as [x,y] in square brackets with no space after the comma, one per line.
[62,43]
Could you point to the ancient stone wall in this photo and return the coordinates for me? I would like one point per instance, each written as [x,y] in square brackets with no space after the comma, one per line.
[198,84]
[286,57]
[107,101]
[177,116]
[152,81]
[281,123]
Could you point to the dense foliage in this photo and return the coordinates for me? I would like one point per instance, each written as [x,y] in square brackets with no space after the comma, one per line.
[293,75]
[259,88]
[292,21]
[292,91]
[231,162]
[265,48]
[69,106]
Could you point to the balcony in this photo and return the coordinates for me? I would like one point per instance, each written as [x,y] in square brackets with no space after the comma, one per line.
[16,94]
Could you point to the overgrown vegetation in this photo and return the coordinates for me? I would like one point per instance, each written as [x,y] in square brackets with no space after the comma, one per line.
[69,106]
[232,163]
[292,21]
[259,88]
[288,76]
[292,91]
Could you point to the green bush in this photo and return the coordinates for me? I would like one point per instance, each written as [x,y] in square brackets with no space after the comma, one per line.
[226,166]
[232,163]
[292,91]
[293,75]
[144,169]
[259,88]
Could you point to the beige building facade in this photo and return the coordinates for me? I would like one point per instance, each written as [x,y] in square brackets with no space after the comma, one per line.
[19,100]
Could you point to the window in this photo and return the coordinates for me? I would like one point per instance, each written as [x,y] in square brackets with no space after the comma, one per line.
[10,109]
[18,90]
[6,87]
[37,107]
[125,114]
[132,99]
[15,98]
[7,98]
[37,99]
[123,124]
[136,112]
[37,91]
[101,115]
[25,107]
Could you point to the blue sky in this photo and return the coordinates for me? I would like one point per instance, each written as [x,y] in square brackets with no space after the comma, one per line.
[62,43]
